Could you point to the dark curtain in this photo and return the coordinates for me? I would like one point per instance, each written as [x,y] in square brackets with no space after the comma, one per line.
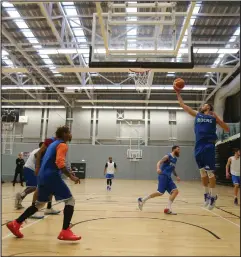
[232,109]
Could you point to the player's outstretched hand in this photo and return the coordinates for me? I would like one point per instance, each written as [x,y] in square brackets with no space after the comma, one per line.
[176,88]
[75,179]
[178,179]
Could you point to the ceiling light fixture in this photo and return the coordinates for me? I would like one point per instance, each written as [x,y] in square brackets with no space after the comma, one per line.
[134,107]
[32,107]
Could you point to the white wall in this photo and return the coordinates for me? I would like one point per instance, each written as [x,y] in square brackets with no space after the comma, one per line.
[109,126]
[162,125]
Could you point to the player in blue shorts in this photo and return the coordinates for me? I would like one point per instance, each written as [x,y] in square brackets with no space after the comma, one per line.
[205,131]
[165,168]
[31,182]
[51,183]
[30,178]
[109,172]
[233,167]
[39,157]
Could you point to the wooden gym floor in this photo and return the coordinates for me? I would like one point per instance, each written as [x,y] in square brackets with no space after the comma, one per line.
[111,225]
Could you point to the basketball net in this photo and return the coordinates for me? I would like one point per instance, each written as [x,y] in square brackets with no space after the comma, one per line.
[140,76]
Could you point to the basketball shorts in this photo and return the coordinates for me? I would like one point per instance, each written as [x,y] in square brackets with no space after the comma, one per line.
[53,185]
[205,156]
[30,178]
[109,176]
[165,183]
[236,180]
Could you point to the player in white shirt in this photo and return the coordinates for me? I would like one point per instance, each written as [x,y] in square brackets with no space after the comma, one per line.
[233,167]
[31,184]
[109,171]
[30,178]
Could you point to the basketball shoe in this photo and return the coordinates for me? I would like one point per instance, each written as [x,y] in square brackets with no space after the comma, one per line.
[68,235]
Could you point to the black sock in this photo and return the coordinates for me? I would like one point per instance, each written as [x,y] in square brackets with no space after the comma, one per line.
[27,191]
[28,212]
[107,182]
[68,213]
[110,182]
[49,205]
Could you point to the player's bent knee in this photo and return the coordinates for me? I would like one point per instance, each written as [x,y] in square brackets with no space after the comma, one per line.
[210,174]
[203,173]
[70,201]
[159,193]
[175,191]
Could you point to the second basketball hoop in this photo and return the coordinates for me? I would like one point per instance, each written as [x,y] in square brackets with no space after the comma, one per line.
[140,76]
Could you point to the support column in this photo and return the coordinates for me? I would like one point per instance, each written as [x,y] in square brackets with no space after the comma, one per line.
[69,117]
[94,127]
[189,41]
[44,125]
[146,127]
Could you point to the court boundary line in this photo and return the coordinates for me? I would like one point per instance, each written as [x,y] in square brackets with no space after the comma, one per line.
[29,225]
[44,208]
[220,216]
[227,212]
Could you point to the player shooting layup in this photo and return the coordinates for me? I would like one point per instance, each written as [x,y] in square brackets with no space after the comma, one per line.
[205,132]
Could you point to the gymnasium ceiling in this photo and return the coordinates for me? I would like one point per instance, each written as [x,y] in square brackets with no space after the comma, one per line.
[28,27]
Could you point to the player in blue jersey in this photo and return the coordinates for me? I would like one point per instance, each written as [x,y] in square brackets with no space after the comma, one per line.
[165,168]
[39,157]
[36,157]
[51,183]
[205,132]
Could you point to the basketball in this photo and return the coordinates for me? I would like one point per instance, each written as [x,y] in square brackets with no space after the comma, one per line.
[179,84]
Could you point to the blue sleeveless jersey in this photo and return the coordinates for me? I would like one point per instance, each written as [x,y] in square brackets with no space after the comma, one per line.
[205,129]
[53,139]
[48,167]
[169,166]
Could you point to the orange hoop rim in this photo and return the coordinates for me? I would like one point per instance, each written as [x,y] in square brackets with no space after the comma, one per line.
[138,71]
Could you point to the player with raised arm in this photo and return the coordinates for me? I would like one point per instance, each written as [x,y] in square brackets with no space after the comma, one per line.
[51,183]
[205,124]
[233,166]
[165,168]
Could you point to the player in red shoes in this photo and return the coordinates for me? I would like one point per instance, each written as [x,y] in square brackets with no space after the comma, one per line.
[51,183]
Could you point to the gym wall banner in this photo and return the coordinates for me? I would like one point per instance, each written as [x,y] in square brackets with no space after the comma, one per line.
[79,169]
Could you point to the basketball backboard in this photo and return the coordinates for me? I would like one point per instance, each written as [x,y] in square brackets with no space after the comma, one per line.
[145,35]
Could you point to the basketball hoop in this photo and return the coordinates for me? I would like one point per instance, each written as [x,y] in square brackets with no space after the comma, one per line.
[134,155]
[7,136]
[140,77]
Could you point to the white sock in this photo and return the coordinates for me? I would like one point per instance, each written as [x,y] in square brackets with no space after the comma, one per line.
[169,206]
[206,190]
[212,192]
[145,198]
